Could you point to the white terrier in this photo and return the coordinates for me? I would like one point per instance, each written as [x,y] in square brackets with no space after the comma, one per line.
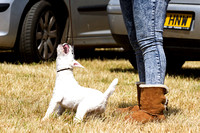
[68,94]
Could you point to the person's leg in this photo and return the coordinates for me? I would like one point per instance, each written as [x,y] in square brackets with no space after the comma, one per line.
[149,16]
[127,11]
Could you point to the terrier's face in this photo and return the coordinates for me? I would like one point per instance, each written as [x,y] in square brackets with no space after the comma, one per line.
[65,57]
[65,50]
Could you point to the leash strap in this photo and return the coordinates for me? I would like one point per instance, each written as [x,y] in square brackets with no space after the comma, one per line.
[68,31]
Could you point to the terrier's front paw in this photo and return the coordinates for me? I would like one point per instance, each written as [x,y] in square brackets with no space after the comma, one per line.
[43,119]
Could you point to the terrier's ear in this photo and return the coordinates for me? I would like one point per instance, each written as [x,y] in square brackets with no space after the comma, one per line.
[77,64]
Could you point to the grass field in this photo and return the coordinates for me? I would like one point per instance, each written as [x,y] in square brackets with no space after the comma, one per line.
[26,89]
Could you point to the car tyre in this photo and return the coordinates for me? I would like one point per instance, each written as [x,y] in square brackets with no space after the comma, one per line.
[40,33]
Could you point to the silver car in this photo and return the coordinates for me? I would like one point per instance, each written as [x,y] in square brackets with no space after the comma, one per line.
[33,28]
[181,33]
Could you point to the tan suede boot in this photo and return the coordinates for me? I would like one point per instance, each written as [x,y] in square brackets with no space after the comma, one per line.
[136,107]
[152,103]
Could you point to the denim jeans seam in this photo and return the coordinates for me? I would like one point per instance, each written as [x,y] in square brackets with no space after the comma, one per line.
[157,53]
[153,20]
[157,58]
[159,65]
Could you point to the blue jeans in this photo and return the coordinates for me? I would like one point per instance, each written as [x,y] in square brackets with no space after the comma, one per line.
[144,20]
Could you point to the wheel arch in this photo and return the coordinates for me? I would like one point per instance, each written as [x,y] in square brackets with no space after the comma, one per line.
[59,5]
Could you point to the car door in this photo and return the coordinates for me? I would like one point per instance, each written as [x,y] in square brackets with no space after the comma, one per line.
[89,18]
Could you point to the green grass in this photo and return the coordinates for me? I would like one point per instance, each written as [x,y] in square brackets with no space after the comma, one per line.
[26,89]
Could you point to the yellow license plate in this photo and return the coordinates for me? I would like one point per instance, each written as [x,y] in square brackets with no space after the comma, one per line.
[178,21]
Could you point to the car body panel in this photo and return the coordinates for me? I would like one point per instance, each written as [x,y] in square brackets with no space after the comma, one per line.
[10,20]
[194,32]
[84,15]
[90,23]
[117,24]
[185,1]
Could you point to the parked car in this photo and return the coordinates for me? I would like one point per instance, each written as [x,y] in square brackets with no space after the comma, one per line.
[181,32]
[34,28]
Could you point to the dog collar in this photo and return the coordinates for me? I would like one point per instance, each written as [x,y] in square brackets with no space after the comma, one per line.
[64,69]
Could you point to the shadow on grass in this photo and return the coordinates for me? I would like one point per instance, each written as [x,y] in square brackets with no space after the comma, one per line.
[172,111]
[169,112]
[193,73]
[102,55]
[125,105]
[10,57]
[186,73]
[118,70]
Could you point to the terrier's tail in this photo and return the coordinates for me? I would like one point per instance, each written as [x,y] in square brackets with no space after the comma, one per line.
[111,88]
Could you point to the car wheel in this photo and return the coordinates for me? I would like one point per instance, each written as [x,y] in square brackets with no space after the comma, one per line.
[40,33]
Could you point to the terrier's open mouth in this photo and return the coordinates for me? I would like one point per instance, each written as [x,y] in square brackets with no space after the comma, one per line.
[66,48]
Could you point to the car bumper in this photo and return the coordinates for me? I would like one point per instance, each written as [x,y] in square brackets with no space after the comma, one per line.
[10,14]
[117,24]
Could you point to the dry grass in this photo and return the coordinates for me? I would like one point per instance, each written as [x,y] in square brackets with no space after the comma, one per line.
[25,92]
